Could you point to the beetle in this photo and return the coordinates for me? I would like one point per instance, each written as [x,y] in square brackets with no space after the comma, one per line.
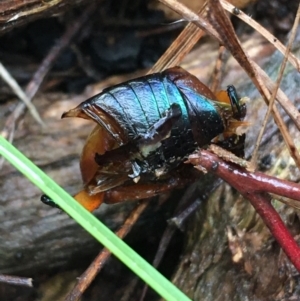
[146,128]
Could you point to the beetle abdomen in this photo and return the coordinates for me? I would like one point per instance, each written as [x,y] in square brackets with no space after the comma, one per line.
[136,105]
[156,121]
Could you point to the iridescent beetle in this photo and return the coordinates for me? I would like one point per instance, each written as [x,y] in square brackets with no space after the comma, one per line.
[145,130]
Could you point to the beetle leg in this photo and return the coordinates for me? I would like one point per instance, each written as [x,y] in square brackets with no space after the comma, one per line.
[141,191]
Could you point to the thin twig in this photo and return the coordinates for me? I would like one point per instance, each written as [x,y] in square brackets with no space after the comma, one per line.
[292,150]
[163,244]
[20,93]
[95,267]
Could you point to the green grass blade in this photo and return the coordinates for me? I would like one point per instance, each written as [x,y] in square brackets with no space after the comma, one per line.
[91,224]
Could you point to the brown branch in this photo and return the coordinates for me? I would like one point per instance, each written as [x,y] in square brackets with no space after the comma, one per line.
[95,267]
[255,186]
[253,182]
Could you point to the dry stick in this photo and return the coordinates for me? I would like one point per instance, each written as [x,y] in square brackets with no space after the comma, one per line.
[289,108]
[273,96]
[46,65]
[254,187]
[20,93]
[191,16]
[34,10]
[22,281]
[89,275]
[286,104]
[221,23]
[169,27]
[287,137]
